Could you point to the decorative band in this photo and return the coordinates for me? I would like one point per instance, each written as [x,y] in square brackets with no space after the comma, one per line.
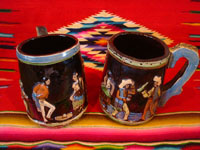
[137,63]
[48,59]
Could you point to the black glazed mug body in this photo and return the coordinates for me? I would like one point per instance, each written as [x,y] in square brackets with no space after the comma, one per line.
[133,77]
[132,85]
[52,79]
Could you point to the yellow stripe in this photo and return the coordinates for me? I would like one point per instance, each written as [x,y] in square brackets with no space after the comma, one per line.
[101,143]
[94,33]
[87,121]
[92,65]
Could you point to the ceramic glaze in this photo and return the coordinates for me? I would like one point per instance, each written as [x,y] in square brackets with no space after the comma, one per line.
[132,84]
[52,79]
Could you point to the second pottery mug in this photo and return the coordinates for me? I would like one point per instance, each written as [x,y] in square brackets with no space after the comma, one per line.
[132,84]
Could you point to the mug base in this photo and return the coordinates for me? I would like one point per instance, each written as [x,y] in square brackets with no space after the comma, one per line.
[126,122]
[58,124]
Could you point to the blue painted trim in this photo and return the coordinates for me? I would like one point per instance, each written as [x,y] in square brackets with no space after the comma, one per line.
[48,59]
[193,58]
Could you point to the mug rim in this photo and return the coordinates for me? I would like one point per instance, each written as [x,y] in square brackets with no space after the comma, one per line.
[132,61]
[47,58]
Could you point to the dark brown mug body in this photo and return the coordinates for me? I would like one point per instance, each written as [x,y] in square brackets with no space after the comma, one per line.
[132,83]
[52,79]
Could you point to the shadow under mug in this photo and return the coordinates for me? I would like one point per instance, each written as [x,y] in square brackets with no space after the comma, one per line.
[52,79]
[132,84]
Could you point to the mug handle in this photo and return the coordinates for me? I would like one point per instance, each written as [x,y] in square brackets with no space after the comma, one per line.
[174,87]
[41,30]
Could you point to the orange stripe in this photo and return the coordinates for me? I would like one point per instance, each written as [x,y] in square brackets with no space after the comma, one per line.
[8,60]
[4,79]
[192,24]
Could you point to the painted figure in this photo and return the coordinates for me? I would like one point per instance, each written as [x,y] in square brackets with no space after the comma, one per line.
[108,87]
[109,83]
[77,96]
[24,96]
[40,95]
[153,96]
[126,89]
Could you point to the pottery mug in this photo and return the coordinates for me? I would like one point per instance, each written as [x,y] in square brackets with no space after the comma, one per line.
[132,84]
[52,78]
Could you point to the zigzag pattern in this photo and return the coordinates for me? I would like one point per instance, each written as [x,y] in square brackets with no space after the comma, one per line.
[94,31]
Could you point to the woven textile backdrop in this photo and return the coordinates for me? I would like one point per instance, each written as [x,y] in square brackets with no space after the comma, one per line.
[93,22]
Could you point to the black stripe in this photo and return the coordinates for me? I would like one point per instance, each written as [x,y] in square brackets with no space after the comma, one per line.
[7,10]
[5,22]
[195,0]
[7,47]
[195,11]
[194,40]
[8,58]
[2,41]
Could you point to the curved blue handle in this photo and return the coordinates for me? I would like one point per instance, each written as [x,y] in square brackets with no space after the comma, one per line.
[191,54]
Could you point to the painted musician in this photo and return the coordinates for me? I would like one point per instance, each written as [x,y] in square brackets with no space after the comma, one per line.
[153,96]
[77,96]
[40,95]
[126,88]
